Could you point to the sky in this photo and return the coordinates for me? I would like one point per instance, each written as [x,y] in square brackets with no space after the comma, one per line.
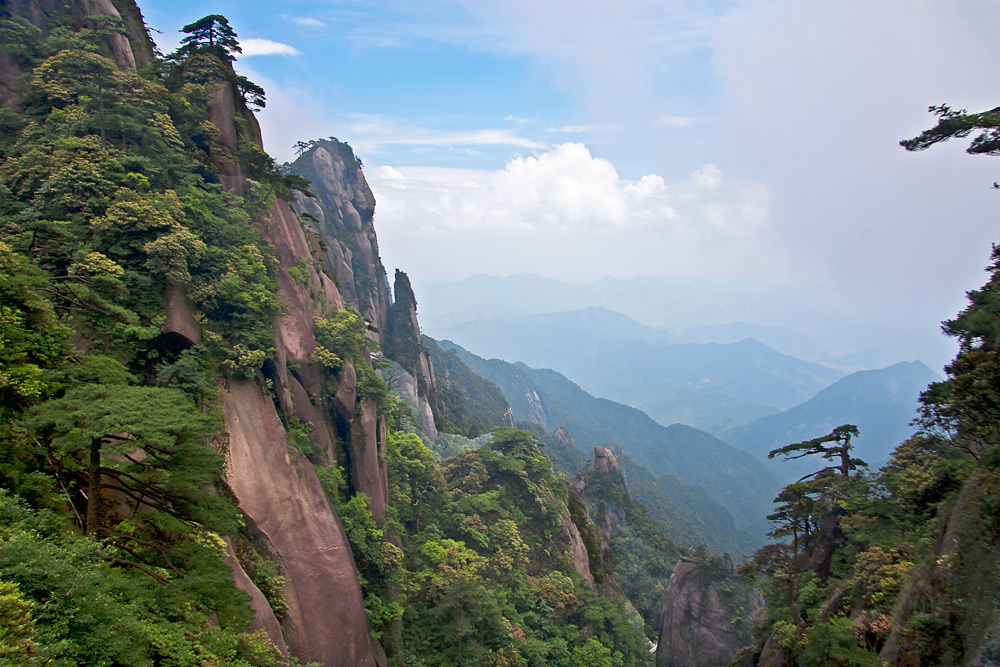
[730,141]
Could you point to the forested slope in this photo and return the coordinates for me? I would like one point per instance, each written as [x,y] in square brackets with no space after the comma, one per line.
[193,421]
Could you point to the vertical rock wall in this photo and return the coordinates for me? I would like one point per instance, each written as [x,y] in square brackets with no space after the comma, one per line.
[341,216]
[695,630]
[279,493]
[276,487]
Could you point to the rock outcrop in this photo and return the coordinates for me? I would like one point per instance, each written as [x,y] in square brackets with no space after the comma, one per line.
[341,217]
[605,459]
[402,381]
[695,630]
[599,561]
[280,495]
[611,510]
[275,486]
[402,340]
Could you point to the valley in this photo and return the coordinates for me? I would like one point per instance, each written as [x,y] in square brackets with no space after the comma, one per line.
[228,439]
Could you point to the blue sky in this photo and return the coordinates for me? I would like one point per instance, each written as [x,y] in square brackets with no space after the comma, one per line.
[748,140]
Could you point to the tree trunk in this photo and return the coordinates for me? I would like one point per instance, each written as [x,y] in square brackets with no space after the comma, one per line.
[93,486]
[793,607]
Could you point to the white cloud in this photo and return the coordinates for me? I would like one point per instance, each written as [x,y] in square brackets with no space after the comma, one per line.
[374,133]
[519,120]
[266,47]
[308,21]
[650,184]
[579,129]
[708,177]
[569,191]
[675,121]
[389,174]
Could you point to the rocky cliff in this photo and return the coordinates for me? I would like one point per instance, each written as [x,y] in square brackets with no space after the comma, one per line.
[340,216]
[695,629]
[289,517]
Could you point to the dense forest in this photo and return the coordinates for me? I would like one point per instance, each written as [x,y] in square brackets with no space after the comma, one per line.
[223,440]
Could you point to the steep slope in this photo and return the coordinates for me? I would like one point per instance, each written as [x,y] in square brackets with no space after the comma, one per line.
[340,215]
[305,535]
[881,403]
[697,625]
[642,553]
[731,477]
[176,299]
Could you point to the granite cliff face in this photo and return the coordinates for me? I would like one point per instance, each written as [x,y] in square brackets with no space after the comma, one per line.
[276,487]
[340,217]
[695,630]
[287,511]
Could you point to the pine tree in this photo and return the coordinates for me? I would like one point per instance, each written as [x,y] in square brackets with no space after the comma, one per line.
[212,32]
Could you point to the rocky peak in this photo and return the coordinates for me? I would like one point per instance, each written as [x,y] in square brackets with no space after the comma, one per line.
[402,340]
[605,459]
[340,215]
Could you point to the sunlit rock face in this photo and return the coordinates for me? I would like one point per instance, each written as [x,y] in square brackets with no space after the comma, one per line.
[341,215]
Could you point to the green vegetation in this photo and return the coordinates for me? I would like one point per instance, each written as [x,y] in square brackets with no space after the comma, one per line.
[643,556]
[107,424]
[469,405]
[468,567]
[896,567]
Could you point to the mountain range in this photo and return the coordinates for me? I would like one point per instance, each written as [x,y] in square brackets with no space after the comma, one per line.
[711,386]
[731,477]
[881,403]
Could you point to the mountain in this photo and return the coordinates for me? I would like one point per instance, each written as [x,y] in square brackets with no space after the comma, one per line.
[782,339]
[732,478]
[881,403]
[711,386]
[194,414]
[699,311]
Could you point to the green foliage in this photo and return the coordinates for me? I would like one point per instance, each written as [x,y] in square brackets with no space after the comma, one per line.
[300,437]
[17,628]
[643,555]
[480,580]
[469,405]
[106,196]
[343,334]
[212,33]
[905,582]
[107,615]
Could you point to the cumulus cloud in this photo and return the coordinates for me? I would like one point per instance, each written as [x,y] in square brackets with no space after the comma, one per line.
[567,190]
[266,47]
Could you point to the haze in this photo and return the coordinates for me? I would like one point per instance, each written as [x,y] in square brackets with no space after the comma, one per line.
[731,142]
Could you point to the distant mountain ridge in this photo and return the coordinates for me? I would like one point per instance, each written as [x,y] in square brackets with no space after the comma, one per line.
[734,479]
[712,386]
[697,310]
[881,403]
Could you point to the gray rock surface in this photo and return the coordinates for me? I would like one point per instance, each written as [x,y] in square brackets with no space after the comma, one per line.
[695,630]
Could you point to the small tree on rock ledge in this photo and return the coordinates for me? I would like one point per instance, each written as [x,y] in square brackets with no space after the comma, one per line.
[835,444]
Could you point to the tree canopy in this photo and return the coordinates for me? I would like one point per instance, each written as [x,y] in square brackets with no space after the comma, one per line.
[212,32]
